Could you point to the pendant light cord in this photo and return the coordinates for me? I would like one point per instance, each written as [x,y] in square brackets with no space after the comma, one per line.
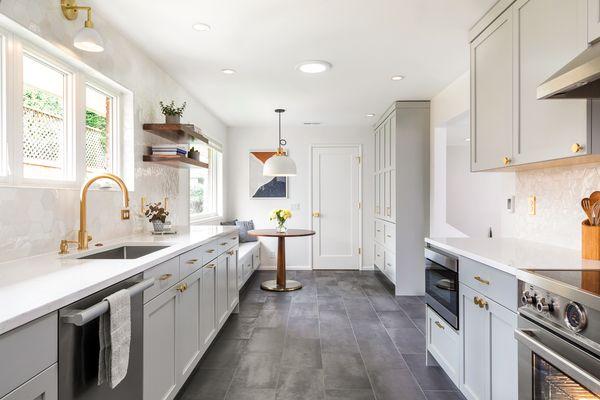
[282,142]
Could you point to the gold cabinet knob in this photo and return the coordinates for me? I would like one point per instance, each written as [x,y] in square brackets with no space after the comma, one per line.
[439,325]
[316,214]
[182,288]
[506,161]
[576,147]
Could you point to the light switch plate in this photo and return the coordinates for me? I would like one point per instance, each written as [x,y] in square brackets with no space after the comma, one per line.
[531,204]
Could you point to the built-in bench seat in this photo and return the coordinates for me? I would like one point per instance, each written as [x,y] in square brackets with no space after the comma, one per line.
[248,261]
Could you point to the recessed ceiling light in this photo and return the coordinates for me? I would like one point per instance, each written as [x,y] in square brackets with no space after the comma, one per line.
[228,71]
[370,115]
[313,66]
[397,77]
[200,27]
[312,123]
[467,139]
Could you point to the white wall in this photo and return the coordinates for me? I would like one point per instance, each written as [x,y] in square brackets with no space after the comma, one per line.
[241,206]
[35,220]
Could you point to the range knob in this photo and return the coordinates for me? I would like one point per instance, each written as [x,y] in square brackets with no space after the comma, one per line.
[542,305]
[527,298]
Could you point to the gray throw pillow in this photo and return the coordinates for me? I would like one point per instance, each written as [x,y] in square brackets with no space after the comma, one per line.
[244,227]
[227,223]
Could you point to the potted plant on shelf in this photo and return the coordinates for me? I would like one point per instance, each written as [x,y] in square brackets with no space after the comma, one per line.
[281,215]
[157,215]
[171,112]
[194,154]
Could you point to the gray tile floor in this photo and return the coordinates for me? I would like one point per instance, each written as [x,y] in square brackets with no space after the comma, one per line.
[343,336]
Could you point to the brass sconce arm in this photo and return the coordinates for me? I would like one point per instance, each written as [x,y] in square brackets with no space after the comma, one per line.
[70,11]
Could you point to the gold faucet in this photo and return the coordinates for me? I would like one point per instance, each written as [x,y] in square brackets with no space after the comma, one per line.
[82,237]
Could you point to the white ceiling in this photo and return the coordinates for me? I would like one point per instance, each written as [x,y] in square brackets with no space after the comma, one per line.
[263,40]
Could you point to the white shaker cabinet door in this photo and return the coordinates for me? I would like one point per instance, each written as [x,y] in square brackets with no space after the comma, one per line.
[503,353]
[233,294]
[593,20]
[208,319]
[188,325]
[492,95]
[160,346]
[547,35]
[221,289]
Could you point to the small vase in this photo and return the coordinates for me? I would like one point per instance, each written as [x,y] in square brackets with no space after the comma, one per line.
[281,228]
[159,226]
[173,119]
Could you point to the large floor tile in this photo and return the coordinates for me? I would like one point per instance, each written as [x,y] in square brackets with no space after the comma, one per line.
[306,328]
[266,340]
[258,371]
[377,356]
[223,353]
[238,327]
[395,319]
[408,340]
[244,393]
[396,384]
[414,311]
[302,353]
[345,371]
[300,384]
[303,310]
[384,303]
[442,395]
[207,384]
[349,394]
[429,377]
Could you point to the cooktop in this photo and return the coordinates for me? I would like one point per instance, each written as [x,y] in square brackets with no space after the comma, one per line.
[584,280]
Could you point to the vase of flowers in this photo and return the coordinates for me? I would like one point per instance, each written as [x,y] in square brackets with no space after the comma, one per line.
[281,216]
[157,215]
[171,112]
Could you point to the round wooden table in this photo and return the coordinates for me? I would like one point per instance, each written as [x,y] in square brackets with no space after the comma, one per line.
[281,284]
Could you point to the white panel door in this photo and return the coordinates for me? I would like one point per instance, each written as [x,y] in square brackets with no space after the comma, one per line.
[221,289]
[208,319]
[336,197]
[189,344]
[233,294]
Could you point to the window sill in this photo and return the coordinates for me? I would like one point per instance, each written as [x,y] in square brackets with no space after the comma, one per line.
[203,220]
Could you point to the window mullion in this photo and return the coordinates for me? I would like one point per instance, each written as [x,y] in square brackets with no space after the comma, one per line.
[78,138]
[15,109]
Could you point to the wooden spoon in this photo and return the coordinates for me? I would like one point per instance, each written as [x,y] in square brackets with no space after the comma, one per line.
[596,214]
[586,204]
[594,197]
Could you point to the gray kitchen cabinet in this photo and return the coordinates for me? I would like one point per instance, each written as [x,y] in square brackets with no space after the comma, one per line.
[492,95]
[221,305]
[547,35]
[43,386]
[233,293]
[188,337]
[160,346]
[593,24]
[208,319]
[489,363]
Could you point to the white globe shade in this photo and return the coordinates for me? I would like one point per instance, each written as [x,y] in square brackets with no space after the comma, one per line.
[88,39]
[279,165]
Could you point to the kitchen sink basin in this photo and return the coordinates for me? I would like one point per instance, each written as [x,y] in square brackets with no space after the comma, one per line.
[123,253]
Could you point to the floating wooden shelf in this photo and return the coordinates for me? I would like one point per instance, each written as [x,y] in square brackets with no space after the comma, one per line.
[178,133]
[176,161]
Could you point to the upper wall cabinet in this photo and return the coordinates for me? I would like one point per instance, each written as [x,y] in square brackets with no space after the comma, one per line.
[593,20]
[527,43]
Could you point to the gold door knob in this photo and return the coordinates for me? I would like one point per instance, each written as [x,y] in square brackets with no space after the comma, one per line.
[576,147]
[316,214]
[506,161]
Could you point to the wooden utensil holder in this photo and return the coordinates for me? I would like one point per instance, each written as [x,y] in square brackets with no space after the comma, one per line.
[590,241]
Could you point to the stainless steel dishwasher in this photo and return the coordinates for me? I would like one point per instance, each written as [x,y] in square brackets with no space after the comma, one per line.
[78,346]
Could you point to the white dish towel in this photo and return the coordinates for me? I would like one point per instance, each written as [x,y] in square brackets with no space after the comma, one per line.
[115,337]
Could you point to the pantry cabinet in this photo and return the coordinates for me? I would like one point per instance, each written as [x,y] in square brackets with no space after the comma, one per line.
[521,48]
[593,24]
[189,343]
[221,305]
[401,143]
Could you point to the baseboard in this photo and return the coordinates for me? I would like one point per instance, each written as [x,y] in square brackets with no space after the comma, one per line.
[287,267]
[367,268]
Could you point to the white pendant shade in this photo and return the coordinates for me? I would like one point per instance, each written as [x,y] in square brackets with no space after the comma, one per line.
[279,165]
[88,39]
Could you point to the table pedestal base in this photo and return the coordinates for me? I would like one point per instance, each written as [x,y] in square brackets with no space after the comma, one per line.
[272,286]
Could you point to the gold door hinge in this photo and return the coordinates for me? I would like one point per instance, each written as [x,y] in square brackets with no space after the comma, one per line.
[358,158]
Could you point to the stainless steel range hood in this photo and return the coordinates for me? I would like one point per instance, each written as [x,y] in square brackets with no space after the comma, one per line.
[579,79]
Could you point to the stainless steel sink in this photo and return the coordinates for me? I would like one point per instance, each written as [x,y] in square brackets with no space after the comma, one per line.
[124,253]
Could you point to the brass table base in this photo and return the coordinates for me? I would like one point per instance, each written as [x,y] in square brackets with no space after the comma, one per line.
[272,286]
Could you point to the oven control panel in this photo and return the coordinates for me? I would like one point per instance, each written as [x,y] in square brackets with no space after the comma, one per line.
[554,308]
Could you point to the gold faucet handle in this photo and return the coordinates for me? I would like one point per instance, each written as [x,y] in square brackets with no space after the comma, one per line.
[125,213]
[64,246]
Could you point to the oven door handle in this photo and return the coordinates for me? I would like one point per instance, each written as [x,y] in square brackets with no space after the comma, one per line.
[581,376]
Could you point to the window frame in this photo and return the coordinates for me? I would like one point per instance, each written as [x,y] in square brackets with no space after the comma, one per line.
[215,172]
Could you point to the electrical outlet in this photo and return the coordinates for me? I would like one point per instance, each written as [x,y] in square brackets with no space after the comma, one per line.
[510,204]
[531,203]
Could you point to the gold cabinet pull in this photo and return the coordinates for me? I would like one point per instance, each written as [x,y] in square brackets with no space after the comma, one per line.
[182,288]
[481,280]
[476,300]
[388,211]
[316,214]
[506,161]
[211,266]
[439,325]
[233,238]
[223,244]
[210,251]
[231,252]
[377,210]
[480,302]
[165,277]
[390,236]
[576,147]
[192,261]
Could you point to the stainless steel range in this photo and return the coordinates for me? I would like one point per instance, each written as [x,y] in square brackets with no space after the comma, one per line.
[559,335]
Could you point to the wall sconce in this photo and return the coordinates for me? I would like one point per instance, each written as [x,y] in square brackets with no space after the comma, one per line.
[87,39]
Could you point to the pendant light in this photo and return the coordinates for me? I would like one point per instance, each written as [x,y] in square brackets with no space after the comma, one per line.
[280,164]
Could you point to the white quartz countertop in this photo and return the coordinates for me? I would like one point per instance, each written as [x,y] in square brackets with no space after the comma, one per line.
[511,255]
[35,286]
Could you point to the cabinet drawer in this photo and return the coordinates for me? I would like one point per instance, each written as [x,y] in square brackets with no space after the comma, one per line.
[389,239]
[379,231]
[43,386]
[26,351]
[211,251]
[390,265]
[493,283]
[166,275]
[443,343]
[191,261]
[379,256]
[225,242]
[256,258]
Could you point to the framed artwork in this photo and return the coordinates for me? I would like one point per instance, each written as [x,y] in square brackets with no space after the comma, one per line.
[265,187]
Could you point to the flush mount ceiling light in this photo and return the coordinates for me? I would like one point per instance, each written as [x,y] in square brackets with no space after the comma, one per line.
[397,77]
[87,39]
[280,164]
[370,115]
[228,71]
[201,27]
[312,123]
[313,66]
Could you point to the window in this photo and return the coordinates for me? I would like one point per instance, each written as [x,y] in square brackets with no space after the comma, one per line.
[46,133]
[101,136]
[205,186]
